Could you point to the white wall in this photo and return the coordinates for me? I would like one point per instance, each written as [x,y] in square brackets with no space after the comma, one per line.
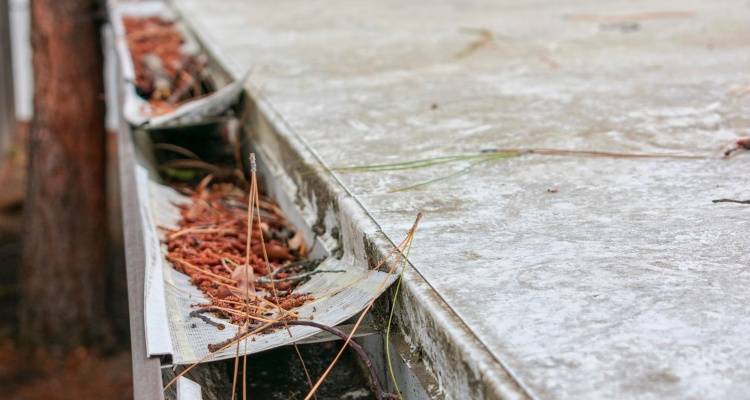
[111,79]
[20,24]
[21,47]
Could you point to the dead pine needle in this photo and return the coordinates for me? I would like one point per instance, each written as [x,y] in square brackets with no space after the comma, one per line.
[230,277]
[236,368]
[243,336]
[224,346]
[304,369]
[249,274]
[495,154]
[223,249]
[731,201]
[254,193]
[394,303]
[406,244]
[208,246]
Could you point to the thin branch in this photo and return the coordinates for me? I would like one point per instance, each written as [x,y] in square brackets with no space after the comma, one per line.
[298,277]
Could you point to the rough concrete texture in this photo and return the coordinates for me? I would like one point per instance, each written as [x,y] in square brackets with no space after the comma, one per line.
[587,277]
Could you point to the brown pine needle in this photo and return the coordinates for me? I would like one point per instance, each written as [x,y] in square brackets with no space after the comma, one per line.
[220,349]
[249,275]
[598,153]
[203,271]
[254,205]
[186,231]
[406,244]
[176,149]
[236,367]
[238,313]
[304,368]
[266,326]
[244,374]
[254,192]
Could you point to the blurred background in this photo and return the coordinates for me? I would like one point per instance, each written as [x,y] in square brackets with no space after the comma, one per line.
[51,292]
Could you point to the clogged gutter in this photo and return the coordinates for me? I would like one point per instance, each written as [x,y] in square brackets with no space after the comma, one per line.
[210,247]
[165,74]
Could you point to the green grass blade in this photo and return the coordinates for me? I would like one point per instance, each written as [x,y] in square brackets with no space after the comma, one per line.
[422,163]
[493,157]
[390,322]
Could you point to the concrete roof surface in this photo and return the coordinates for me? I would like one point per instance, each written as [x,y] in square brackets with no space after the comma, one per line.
[589,277]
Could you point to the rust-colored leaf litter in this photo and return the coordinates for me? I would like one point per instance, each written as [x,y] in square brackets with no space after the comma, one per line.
[165,74]
[210,246]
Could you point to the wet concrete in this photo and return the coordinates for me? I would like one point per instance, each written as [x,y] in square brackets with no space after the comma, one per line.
[584,277]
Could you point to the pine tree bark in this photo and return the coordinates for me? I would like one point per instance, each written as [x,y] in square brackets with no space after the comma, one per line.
[62,279]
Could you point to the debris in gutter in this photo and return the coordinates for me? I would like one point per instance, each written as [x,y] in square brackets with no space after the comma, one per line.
[165,74]
[730,201]
[210,247]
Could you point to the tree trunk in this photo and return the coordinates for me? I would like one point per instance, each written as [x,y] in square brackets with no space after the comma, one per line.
[64,257]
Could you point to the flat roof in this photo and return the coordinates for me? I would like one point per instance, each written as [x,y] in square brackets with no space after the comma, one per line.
[585,275]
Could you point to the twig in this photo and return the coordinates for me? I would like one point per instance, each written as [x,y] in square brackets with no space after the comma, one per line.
[201,270]
[194,164]
[597,153]
[306,265]
[377,386]
[394,303]
[199,314]
[249,274]
[186,231]
[304,368]
[235,312]
[730,201]
[207,357]
[739,144]
[405,244]
[176,149]
[254,184]
[263,327]
[298,276]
